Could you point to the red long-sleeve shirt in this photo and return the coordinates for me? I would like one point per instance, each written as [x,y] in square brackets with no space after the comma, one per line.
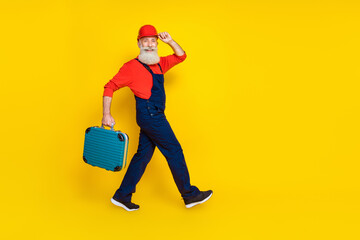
[133,75]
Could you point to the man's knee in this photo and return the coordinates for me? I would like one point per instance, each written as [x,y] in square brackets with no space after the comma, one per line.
[175,150]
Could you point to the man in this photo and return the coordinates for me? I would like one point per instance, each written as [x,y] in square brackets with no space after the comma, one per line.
[144,76]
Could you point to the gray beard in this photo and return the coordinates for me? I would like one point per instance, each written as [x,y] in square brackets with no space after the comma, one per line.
[149,58]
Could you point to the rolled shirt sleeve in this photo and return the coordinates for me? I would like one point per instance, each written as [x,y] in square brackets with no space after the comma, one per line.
[170,61]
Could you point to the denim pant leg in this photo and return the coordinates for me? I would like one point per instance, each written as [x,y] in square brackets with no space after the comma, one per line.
[161,134]
[136,168]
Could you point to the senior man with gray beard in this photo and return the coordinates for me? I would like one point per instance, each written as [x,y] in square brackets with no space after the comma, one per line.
[144,75]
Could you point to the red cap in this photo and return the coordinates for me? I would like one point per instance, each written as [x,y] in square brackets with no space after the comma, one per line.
[147,31]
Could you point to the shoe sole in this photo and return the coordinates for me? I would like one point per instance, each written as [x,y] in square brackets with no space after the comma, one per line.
[122,205]
[196,203]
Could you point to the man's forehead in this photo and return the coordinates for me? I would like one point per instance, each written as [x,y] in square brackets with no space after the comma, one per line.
[149,38]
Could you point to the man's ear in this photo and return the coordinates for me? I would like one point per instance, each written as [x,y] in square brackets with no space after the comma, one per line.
[138,43]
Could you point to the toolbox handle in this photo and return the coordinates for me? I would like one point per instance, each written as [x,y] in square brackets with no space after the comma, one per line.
[112,126]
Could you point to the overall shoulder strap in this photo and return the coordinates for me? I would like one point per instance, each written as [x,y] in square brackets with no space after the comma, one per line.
[146,66]
[160,69]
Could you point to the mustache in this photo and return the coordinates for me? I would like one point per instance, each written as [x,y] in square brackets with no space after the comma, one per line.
[148,48]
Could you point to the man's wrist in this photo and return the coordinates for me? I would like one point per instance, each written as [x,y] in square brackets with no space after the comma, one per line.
[171,42]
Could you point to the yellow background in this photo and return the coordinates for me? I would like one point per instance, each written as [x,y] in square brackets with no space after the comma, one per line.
[266,107]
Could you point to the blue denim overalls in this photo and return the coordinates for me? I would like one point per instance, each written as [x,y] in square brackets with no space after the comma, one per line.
[155,130]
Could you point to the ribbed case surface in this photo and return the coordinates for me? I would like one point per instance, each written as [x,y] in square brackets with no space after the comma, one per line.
[105,148]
